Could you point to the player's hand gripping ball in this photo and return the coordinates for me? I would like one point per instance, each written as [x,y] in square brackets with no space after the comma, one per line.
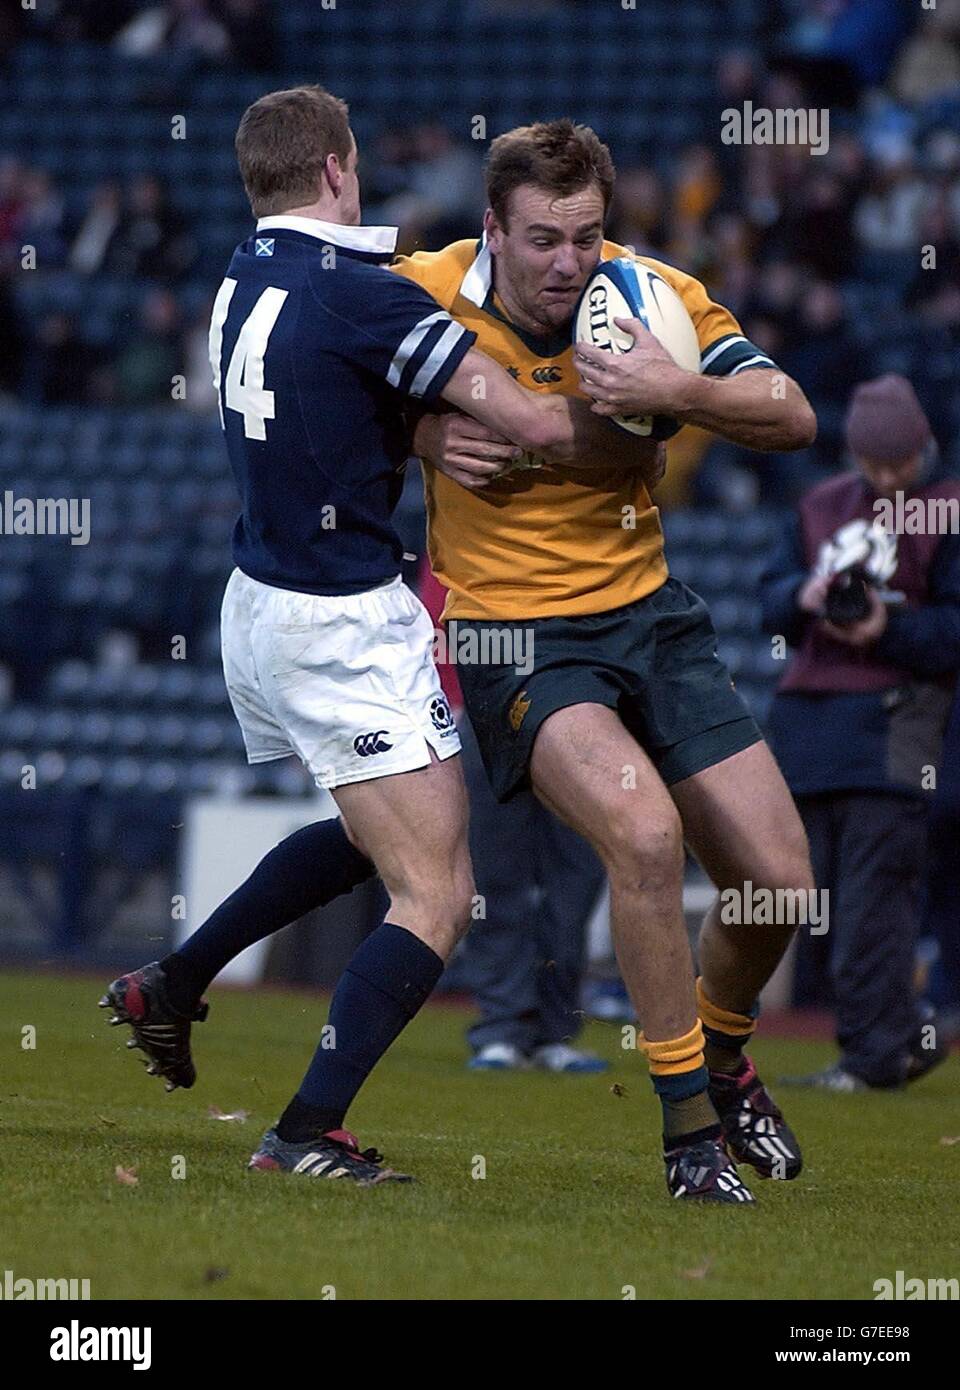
[628,289]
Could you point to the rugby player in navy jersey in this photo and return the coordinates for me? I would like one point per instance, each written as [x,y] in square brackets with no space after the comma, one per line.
[317,351]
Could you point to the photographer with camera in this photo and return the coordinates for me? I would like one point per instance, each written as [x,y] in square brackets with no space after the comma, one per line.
[873,611]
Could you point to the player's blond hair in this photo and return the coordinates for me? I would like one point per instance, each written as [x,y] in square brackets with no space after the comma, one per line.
[282,145]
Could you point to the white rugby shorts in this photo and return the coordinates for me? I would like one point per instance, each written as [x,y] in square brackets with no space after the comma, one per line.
[345,682]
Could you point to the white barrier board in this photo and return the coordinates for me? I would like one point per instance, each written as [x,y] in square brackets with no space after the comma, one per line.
[222,841]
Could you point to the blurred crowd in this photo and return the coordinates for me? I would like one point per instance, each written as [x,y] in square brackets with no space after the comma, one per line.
[131,232]
[241,32]
[810,251]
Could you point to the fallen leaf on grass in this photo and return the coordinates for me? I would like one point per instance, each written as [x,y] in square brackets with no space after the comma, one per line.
[126,1176]
[238,1117]
[700,1272]
[950,1139]
[104,1121]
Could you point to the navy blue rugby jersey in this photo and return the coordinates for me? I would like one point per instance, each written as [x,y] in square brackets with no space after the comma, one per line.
[315,348]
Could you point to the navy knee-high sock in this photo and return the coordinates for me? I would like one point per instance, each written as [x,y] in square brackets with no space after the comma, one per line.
[306,870]
[389,976]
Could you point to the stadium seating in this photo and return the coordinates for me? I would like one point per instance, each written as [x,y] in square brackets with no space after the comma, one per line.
[125,721]
[392,61]
[160,491]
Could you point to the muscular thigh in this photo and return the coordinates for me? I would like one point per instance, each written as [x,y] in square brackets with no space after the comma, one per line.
[412,825]
[740,821]
[589,770]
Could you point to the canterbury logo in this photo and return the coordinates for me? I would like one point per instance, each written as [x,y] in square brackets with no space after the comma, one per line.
[369,744]
[542,375]
[517,711]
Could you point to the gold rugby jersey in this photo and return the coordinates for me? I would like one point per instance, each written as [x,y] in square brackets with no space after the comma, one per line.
[549,542]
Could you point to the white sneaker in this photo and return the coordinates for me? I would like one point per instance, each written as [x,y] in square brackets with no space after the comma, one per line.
[499,1057]
[561,1057]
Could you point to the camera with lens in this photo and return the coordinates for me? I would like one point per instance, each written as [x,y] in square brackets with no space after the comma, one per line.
[859,558]
[847,599]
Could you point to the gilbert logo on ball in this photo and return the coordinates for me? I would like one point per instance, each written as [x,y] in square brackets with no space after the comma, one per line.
[628,289]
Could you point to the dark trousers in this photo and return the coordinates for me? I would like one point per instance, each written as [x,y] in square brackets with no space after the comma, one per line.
[868,850]
[942,897]
[523,960]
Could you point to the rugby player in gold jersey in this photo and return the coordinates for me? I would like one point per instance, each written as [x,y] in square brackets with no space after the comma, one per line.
[627,726]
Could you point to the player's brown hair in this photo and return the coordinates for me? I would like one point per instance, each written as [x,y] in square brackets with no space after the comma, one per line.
[282,144]
[556,155]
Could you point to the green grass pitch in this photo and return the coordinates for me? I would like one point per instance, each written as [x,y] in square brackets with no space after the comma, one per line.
[573,1204]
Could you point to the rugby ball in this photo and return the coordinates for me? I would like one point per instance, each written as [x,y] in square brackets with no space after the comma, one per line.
[625,288]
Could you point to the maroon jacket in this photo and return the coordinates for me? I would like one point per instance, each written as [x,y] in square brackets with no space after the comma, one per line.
[872,718]
[821,662]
